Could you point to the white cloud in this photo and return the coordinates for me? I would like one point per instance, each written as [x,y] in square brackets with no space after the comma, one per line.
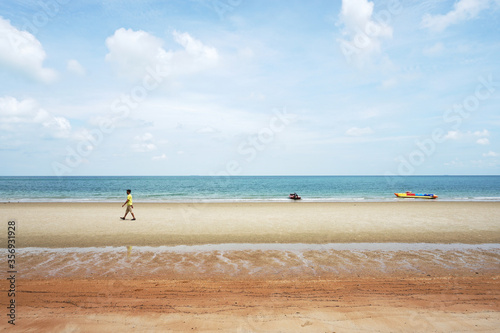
[75,67]
[363,34]
[59,127]
[482,137]
[356,131]
[452,135]
[18,116]
[12,110]
[22,52]
[144,143]
[483,141]
[482,133]
[490,154]
[463,10]
[131,52]
[195,48]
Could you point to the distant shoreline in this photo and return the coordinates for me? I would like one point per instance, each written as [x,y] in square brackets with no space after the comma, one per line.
[263,201]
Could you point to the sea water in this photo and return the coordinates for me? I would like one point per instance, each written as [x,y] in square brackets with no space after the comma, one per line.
[245,188]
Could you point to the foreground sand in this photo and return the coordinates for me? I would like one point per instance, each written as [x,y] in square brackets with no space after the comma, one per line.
[98,224]
[439,304]
[122,286]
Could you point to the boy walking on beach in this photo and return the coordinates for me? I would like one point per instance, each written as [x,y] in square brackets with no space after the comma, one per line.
[130,206]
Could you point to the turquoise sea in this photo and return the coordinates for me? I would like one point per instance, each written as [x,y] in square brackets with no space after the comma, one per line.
[245,188]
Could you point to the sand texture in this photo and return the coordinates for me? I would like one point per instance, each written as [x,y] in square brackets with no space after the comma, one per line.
[403,266]
[444,304]
[98,224]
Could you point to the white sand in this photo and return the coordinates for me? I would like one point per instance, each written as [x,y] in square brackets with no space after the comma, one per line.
[98,224]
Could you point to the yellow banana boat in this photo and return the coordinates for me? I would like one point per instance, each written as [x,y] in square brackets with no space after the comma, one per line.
[416,196]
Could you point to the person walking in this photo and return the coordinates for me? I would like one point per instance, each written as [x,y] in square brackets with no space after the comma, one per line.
[130,206]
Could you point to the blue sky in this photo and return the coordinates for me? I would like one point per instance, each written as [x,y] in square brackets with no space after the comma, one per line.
[240,87]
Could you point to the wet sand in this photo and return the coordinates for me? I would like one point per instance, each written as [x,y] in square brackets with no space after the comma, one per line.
[60,225]
[262,261]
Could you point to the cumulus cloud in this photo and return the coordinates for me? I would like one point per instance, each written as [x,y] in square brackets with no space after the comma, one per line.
[363,32]
[21,116]
[195,48]
[490,154]
[21,52]
[132,52]
[356,131]
[463,10]
[75,67]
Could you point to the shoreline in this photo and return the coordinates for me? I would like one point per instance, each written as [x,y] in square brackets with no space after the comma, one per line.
[259,201]
[56,225]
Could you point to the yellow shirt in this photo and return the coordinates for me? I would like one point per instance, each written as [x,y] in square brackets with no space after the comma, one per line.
[129,198]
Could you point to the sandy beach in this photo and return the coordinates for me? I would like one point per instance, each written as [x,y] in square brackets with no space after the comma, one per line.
[256,267]
[439,304]
[98,224]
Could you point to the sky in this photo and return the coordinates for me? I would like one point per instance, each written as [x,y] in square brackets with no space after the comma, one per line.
[240,87]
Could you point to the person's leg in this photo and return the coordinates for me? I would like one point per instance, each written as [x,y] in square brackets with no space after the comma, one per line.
[126,212]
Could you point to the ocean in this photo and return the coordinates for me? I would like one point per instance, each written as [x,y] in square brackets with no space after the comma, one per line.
[245,188]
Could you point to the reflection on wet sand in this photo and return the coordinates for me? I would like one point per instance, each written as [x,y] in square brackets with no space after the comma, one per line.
[266,261]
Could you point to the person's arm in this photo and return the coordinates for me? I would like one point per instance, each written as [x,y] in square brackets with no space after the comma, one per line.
[125,203]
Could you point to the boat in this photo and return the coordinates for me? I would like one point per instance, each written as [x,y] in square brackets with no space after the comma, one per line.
[294,196]
[416,195]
